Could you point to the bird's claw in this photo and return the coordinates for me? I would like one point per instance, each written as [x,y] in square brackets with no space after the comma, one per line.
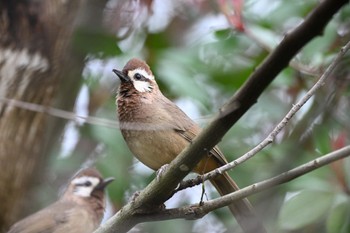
[161,171]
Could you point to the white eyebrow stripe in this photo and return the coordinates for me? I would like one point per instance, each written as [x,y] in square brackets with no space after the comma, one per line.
[141,86]
[85,191]
[141,71]
[83,179]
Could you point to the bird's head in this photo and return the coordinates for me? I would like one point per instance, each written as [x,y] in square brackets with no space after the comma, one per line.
[138,74]
[87,183]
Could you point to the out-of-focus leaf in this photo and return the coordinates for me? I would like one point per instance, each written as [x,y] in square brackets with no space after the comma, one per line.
[223,34]
[284,79]
[175,70]
[268,37]
[316,180]
[117,159]
[227,61]
[314,53]
[338,220]
[157,41]
[322,139]
[305,208]
[96,42]
[280,11]
[346,165]
[345,13]
[232,80]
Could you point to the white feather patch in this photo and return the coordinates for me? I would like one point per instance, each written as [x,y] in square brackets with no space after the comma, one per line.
[141,86]
[85,191]
[141,71]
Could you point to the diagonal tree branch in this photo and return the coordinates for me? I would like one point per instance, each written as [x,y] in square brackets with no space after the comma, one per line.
[160,190]
[191,212]
[272,136]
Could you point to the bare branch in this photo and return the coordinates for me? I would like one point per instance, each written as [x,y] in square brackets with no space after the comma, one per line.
[59,113]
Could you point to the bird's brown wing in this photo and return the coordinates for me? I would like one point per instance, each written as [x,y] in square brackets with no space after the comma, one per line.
[80,220]
[187,128]
[56,218]
[189,135]
[40,222]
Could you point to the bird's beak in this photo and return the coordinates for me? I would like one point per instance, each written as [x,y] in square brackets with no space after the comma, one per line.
[121,75]
[104,183]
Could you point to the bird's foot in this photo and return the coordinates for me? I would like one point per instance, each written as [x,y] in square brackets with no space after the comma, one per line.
[161,171]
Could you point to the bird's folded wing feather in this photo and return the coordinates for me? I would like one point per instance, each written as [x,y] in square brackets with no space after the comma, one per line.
[40,222]
[218,155]
[56,218]
[187,128]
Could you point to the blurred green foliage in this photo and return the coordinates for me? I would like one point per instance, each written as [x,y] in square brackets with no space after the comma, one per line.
[198,57]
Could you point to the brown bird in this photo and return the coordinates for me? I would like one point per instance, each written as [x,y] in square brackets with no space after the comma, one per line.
[79,210]
[156,131]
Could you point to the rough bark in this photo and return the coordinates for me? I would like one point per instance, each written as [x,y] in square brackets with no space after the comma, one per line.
[35,59]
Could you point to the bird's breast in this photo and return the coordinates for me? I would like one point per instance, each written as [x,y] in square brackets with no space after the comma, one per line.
[149,131]
[154,148]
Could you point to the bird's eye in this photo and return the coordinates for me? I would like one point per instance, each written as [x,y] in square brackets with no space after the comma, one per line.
[138,76]
[87,184]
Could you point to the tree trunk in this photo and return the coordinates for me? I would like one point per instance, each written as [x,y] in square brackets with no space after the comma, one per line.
[35,60]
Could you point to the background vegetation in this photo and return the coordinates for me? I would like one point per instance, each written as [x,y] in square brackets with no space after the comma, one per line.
[200,53]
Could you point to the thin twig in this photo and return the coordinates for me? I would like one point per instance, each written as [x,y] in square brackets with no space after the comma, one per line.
[55,112]
[271,137]
[59,113]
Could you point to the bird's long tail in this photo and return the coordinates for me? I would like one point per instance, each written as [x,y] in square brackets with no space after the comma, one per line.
[241,209]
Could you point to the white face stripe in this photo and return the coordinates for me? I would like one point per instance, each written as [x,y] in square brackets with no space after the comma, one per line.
[141,86]
[82,190]
[141,71]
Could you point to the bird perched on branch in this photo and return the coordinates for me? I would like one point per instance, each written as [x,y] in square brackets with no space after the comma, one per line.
[79,210]
[156,131]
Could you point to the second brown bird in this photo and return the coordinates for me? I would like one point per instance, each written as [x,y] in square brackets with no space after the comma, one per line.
[79,210]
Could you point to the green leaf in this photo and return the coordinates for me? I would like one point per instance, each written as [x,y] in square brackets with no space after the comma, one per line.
[223,33]
[322,139]
[175,71]
[97,43]
[338,220]
[304,209]
[157,41]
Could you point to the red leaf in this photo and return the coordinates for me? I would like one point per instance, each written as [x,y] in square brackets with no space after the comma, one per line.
[233,12]
[340,141]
